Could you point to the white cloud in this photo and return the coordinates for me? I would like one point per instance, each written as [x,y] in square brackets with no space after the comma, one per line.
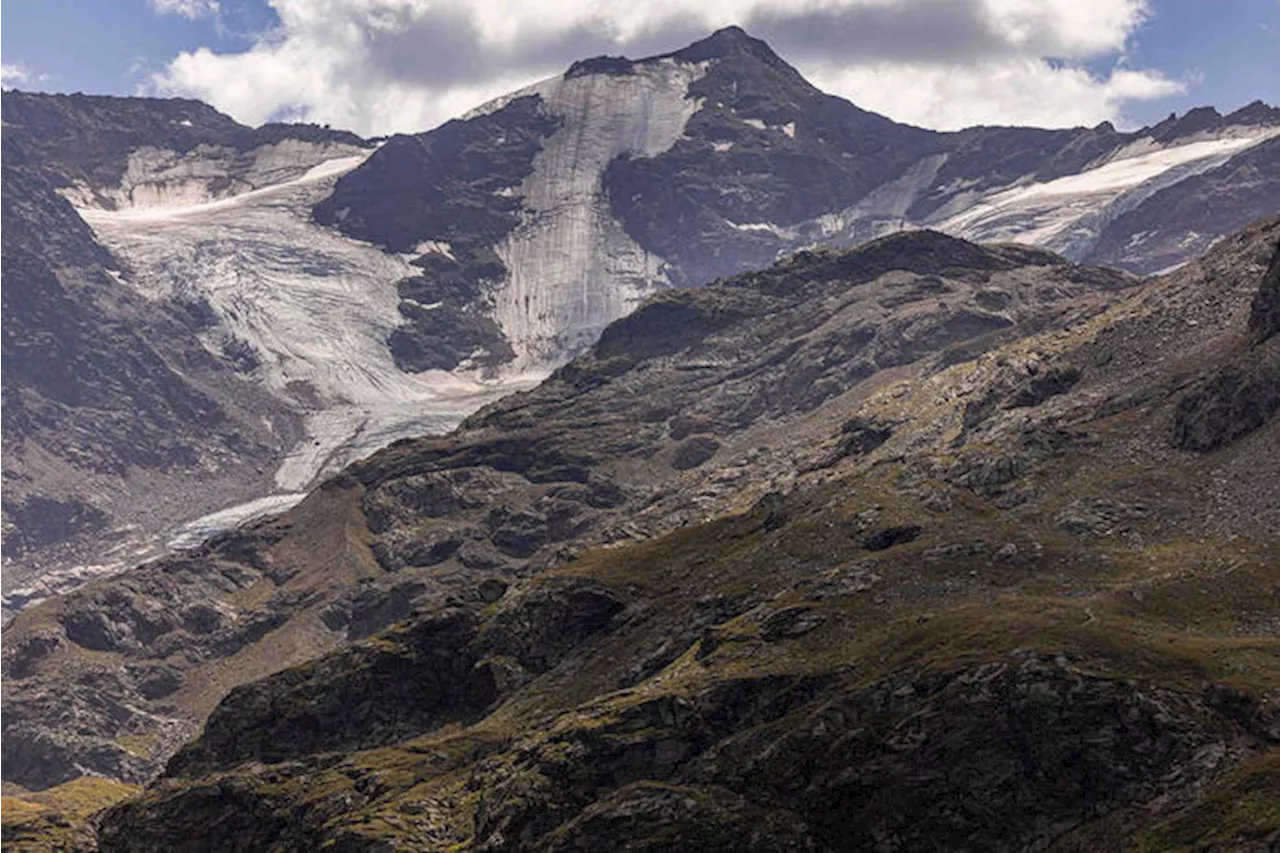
[379,66]
[189,9]
[13,75]
[1018,91]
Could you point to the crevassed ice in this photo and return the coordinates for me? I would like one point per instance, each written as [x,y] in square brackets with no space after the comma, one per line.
[315,306]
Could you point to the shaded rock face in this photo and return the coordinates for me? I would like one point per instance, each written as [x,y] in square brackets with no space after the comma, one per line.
[1038,746]
[1229,404]
[1264,314]
[1235,400]
[408,683]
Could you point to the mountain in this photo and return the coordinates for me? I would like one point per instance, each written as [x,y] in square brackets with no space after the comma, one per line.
[554,210]
[138,398]
[922,479]
[275,303]
[111,401]
[890,546]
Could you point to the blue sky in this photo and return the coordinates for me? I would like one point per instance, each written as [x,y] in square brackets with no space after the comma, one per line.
[1218,52]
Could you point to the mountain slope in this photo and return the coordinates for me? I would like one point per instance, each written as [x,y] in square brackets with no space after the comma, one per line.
[570,466]
[106,395]
[355,296]
[997,607]
[182,318]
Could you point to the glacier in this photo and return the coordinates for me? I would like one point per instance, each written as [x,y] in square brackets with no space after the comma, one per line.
[1067,214]
[314,307]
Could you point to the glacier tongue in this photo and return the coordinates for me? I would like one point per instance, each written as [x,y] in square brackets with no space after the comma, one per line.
[573,269]
[314,307]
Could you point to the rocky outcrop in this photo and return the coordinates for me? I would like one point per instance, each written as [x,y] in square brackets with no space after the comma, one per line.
[1239,397]
[1264,313]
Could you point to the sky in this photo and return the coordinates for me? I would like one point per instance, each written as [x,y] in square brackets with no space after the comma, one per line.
[385,66]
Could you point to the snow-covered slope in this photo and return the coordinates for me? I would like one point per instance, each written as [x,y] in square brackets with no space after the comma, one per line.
[1068,214]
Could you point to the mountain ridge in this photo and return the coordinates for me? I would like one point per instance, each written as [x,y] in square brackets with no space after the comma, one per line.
[719,567]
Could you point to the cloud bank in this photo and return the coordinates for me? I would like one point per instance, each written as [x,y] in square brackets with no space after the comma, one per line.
[384,66]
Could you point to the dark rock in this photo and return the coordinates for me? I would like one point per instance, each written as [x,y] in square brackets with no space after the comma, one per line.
[492,589]
[409,680]
[1264,314]
[540,625]
[1231,403]
[888,537]
[694,452]
[158,682]
[860,436]
[789,622]
[1054,380]
[23,660]
[1028,749]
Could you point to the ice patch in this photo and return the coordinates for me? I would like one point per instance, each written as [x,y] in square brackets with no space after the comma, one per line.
[193,533]
[789,129]
[434,247]
[764,227]
[573,269]
[754,122]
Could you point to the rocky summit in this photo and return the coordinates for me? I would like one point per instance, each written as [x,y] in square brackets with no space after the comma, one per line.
[665,456]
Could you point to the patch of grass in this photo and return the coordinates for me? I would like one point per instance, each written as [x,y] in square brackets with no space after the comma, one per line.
[1240,811]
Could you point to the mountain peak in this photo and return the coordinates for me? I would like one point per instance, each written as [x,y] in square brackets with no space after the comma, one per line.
[728,43]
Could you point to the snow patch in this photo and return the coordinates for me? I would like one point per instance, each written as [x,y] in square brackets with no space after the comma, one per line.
[434,247]
[157,178]
[193,533]
[754,122]
[764,227]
